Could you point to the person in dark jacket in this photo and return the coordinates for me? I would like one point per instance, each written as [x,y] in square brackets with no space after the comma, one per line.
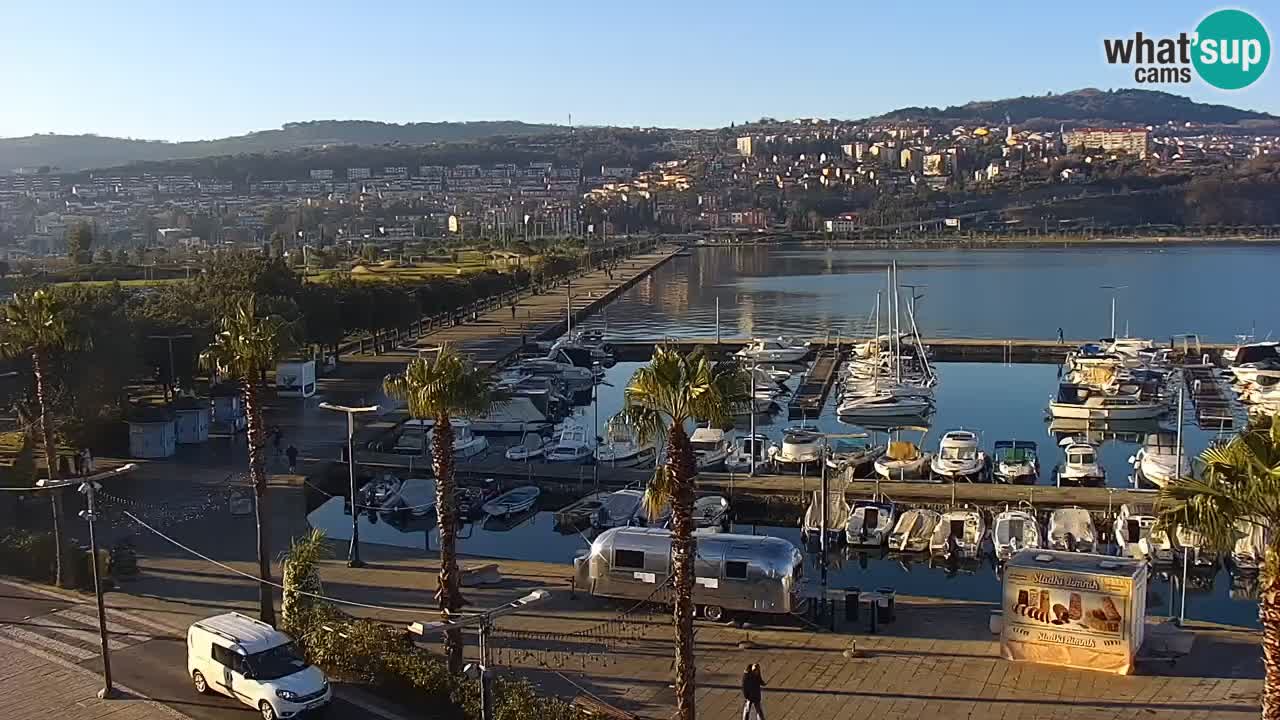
[752,684]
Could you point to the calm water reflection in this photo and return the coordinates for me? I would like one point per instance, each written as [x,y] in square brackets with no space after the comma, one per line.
[1216,291]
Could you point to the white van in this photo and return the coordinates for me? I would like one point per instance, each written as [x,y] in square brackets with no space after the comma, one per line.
[251,661]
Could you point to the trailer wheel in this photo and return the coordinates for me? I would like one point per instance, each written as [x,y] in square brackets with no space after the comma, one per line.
[714,613]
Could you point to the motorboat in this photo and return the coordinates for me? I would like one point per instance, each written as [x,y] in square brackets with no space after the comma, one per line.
[777,374]
[619,509]
[801,450]
[958,457]
[744,449]
[710,513]
[1081,467]
[1128,347]
[1160,459]
[883,405]
[851,453]
[580,513]
[959,534]
[1195,548]
[513,415]
[1091,403]
[710,447]
[589,341]
[1249,358]
[574,445]
[914,530]
[470,499]
[1249,552]
[838,512]
[1016,462]
[1015,530]
[902,461]
[417,496]
[785,350]
[870,523]
[762,402]
[1071,528]
[622,445]
[1135,536]
[1248,372]
[532,446]
[466,444]
[570,375]
[381,493]
[512,502]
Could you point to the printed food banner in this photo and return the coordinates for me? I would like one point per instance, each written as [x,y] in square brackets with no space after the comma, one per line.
[1071,619]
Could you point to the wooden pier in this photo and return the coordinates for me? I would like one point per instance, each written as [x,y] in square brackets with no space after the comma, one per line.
[811,395]
[1213,407]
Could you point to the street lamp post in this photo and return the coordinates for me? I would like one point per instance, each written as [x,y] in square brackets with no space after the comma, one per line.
[89,486]
[173,375]
[353,554]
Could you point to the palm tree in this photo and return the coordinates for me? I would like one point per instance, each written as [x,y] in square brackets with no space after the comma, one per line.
[245,348]
[673,391]
[438,388]
[32,325]
[302,574]
[1238,490]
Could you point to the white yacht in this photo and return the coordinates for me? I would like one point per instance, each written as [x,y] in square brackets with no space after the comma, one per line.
[1160,460]
[903,460]
[781,349]
[1129,347]
[744,449]
[466,444]
[710,447]
[1248,359]
[1072,529]
[1015,530]
[913,530]
[801,450]
[575,444]
[1134,537]
[1081,467]
[532,446]
[1090,403]
[837,517]
[884,405]
[622,445]
[870,523]
[1016,462]
[958,457]
[959,534]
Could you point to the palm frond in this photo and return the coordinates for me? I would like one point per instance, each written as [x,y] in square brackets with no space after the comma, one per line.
[659,491]
[447,384]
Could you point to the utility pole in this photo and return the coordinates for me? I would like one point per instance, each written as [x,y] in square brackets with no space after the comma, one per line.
[484,623]
[89,486]
[353,553]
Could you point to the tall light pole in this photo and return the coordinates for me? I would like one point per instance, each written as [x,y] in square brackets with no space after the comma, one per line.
[1113,289]
[353,553]
[173,373]
[89,486]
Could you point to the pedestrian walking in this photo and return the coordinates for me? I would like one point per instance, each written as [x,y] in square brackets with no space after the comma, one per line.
[1060,336]
[513,311]
[752,684]
[78,460]
[292,453]
[276,438]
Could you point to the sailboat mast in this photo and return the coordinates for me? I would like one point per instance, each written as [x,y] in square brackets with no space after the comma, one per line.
[897,308]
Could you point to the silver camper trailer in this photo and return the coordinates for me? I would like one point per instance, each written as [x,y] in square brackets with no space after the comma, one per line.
[746,573]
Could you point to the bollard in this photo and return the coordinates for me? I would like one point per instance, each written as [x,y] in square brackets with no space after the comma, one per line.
[873,617]
[890,610]
[851,603]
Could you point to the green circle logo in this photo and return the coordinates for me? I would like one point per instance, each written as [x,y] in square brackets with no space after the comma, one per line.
[1232,49]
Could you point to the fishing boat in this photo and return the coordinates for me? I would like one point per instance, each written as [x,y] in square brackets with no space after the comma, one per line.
[1072,529]
[622,445]
[1016,462]
[883,405]
[532,446]
[512,502]
[801,450]
[914,530]
[710,447]
[1135,536]
[958,457]
[1090,403]
[785,350]
[959,534]
[744,449]
[619,509]
[870,523]
[466,444]
[1081,467]
[1015,530]
[574,445]
[902,460]
[838,511]
[1160,459]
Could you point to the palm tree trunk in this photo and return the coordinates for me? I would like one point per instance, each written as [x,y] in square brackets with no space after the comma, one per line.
[258,473]
[1269,615]
[683,548]
[448,592]
[51,459]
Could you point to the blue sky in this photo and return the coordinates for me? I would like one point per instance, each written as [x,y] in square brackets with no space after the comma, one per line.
[188,70]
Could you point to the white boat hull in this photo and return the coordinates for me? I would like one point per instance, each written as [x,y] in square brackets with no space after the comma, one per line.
[890,469]
[1141,411]
[625,457]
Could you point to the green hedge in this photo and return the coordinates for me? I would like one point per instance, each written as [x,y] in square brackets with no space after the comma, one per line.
[30,555]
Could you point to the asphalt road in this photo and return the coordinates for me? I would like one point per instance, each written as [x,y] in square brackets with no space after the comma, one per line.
[154,665]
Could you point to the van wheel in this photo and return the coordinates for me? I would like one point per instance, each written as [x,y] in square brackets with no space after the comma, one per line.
[267,712]
[198,680]
[714,613]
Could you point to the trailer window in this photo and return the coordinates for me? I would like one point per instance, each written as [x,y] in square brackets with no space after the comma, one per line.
[735,569]
[629,559]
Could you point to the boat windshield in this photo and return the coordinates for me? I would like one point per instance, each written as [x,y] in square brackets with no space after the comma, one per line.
[1085,457]
[706,445]
[959,453]
[1014,455]
[751,446]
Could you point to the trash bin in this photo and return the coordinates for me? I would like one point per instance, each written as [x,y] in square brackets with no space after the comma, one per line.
[851,603]
[888,611]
